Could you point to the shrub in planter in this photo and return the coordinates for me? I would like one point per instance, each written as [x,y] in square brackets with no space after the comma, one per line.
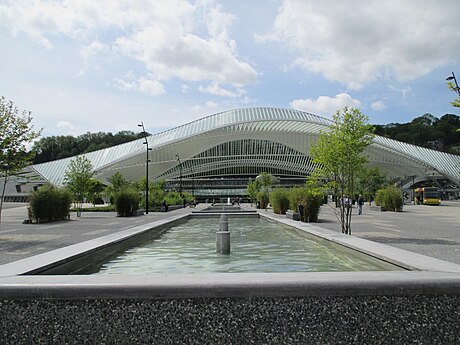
[263,198]
[389,198]
[307,202]
[279,199]
[49,204]
[127,202]
[314,201]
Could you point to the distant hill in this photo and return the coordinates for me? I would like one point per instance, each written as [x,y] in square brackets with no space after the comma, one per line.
[427,131]
[63,146]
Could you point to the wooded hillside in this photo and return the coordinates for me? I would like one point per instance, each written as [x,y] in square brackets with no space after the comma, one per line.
[426,130]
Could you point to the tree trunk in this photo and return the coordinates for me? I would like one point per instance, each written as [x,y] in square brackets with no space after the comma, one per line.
[3,195]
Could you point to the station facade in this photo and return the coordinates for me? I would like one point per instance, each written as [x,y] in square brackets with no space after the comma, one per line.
[218,155]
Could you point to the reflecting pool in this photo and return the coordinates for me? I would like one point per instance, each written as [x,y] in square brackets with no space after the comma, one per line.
[257,245]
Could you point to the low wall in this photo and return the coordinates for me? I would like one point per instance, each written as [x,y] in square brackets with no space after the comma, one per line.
[348,308]
[421,306]
[417,319]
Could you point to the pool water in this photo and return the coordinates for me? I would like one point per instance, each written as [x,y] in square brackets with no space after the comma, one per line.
[257,245]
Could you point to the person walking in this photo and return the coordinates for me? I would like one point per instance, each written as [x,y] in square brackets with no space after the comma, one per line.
[360,204]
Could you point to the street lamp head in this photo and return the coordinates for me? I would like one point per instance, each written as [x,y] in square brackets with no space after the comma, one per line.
[450,78]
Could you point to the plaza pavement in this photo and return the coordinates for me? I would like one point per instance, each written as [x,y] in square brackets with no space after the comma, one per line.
[428,230]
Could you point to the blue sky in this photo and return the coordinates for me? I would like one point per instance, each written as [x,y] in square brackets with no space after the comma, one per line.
[107,65]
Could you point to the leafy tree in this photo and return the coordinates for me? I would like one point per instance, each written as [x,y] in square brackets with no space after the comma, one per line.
[266,181]
[95,190]
[427,131]
[117,184]
[16,131]
[338,153]
[454,87]
[77,179]
[57,147]
[252,189]
[370,180]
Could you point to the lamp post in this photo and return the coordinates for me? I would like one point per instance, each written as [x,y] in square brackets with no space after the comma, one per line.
[456,88]
[147,160]
[180,175]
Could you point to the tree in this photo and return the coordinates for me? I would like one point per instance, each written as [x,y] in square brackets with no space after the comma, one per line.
[455,88]
[252,189]
[338,154]
[117,184]
[95,190]
[16,131]
[370,180]
[266,181]
[77,179]
[63,146]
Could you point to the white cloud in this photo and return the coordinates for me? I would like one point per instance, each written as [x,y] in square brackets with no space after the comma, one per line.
[93,49]
[358,42]
[325,105]
[66,126]
[148,86]
[378,106]
[216,89]
[403,91]
[171,38]
[211,104]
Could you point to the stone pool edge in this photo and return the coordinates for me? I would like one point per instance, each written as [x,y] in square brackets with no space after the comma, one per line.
[431,276]
[400,257]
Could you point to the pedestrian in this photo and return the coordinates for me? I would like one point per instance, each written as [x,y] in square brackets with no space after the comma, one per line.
[360,204]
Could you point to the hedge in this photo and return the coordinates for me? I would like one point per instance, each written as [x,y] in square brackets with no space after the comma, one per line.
[49,204]
[127,202]
[389,198]
[279,199]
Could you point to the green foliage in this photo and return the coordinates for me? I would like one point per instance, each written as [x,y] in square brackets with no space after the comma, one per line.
[454,87]
[174,198]
[427,131]
[49,204]
[156,194]
[264,182]
[266,179]
[279,199]
[117,184]
[389,198]
[370,180]
[127,202]
[58,147]
[77,179]
[16,131]
[338,155]
[95,190]
[310,200]
[263,197]
[252,189]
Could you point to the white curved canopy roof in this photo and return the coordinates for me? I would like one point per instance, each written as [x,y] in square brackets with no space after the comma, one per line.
[248,141]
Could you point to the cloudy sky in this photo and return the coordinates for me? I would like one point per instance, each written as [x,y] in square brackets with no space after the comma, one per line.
[106,65]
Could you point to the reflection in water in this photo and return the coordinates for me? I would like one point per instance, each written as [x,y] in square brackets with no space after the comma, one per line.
[257,245]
